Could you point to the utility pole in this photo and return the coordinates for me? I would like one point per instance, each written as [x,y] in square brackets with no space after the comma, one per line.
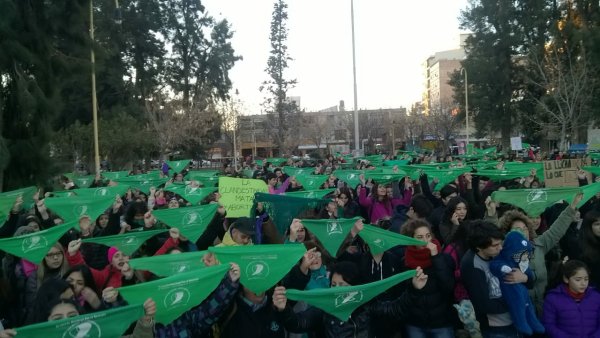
[356,136]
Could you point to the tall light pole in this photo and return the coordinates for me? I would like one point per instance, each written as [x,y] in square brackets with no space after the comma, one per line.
[356,136]
[466,101]
[234,111]
[118,20]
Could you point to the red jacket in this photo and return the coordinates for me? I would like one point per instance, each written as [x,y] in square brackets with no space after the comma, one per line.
[109,276]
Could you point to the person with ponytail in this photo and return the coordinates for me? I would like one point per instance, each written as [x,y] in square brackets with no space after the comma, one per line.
[573,308]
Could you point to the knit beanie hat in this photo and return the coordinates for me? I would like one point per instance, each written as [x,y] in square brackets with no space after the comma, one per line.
[111,252]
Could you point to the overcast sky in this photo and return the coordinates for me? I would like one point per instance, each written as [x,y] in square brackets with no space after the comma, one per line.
[393,39]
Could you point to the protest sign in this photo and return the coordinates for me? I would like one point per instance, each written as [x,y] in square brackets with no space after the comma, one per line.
[516,143]
[563,173]
[237,194]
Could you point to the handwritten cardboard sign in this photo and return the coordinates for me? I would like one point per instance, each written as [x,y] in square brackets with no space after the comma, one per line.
[563,173]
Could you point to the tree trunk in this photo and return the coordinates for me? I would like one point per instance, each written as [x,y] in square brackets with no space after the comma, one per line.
[563,134]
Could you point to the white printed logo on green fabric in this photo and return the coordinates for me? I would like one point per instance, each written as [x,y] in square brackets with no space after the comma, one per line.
[83,181]
[33,243]
[177,297]
[348,298]
[179,267]
[87,329]
[190,219]
[537,196]
[350,176]
[189,190]
[80,210]
[257,270]
[101,192]
[310,195]
[379,242]
[130,240]
[334,228]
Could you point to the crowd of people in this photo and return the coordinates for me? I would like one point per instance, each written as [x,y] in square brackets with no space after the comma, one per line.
[486,269]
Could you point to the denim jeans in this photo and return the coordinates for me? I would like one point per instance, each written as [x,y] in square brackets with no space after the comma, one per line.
[501,332]
[417,332]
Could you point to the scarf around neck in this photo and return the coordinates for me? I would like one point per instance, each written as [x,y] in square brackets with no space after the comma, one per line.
[420,256]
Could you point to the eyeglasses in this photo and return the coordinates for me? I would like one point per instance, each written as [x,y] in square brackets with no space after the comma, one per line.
[54,255]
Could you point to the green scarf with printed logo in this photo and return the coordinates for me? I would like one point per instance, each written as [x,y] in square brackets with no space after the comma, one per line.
[191,221]
[191,194]
[352,177]
[178,166]
[72,208]
[330,232]
[113,175]
[294,171]
[311,182]
[109,323]
[534,201]
[341,301]
[380,240]
[170,264]
[95,192]
[33,247]
[193,174]
[310,193]
[276,161]
[8,198]
[127,242]
[176,294]
[142,182]
[206,181]
[283,209]
[83,181]
[383,178]
[589,191]
[261,266]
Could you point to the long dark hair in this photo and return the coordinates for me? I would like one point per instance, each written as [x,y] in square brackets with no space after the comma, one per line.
[591,242]
[567,270]
[451,207]
[86,273]
[47,296]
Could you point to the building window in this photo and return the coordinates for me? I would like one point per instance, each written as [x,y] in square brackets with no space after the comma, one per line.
[340,134]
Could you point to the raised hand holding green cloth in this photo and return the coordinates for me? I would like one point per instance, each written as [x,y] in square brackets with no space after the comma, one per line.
[311,182]
[341,301]
[331,232]
[168,265]
[109,323]
[534,201]
[127,242]
[261,266]
[194,195]
[72,208]
[380,240]
[352,177]
[588,192]
[35,246]
[176,294]
[191,221]
[294,171]
[310,193]
[113,175]
[178,166]
[83,181]
[8,198]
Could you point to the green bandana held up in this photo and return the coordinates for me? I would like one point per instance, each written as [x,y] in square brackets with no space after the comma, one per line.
[142,182]
[534,201]
[276,161]
[83,181]
[97,192]
[311,182]
[109,323]
[33,247]
[310,193]
[283,209]
[178,166]
[113,175]
[261,266]
[293,171]
[171,264]
[195,174]
[206,181]
[352,177]
[380,240]
[248,173]
[391,163]
[127,243]
[191,221]
[383,178]
[331,232]
[191,194]
[7,200]
[72,208]
[176,294]
[341,301]
[588,192]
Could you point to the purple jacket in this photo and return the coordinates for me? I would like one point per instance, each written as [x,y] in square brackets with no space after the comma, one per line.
[565,318]
[378,210]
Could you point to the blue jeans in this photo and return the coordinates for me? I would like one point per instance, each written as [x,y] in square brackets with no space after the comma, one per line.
[417,332]
[501,332]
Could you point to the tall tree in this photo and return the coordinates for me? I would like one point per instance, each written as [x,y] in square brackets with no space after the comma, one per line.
[283,111]
[504,33]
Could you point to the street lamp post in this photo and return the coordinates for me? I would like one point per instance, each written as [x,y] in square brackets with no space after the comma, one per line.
[466,101]
[356,136]
[94,98]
